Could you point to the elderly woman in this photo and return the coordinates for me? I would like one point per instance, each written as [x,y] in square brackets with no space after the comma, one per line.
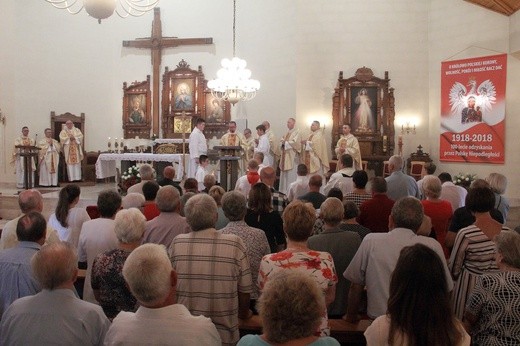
[234,207]
[289,297]
[341,244]
[298,219]
[412,319]
[216,192]
[493,310]
[474,251]
[68,219]
[440,211]
[260,214]
[498,184]
[349,223]
[107,281]
[360,193]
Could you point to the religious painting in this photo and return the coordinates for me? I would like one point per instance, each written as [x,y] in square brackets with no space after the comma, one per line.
[183,95]
[137,109]
[367,103]
[215,109]
[363,109]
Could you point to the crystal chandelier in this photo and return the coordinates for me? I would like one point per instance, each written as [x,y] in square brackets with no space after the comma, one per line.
[102,9]
[233,83]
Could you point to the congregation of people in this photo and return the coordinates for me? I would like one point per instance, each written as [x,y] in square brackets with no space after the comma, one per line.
[428,262]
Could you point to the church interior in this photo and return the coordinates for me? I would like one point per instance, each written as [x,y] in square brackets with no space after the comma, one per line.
[57,62]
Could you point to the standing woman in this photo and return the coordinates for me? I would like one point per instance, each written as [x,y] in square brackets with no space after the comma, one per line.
[68,219]
[260,214]
[474,251]
[498,183]
[440,211]
[419,311]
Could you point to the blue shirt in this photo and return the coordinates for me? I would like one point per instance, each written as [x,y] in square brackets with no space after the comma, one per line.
[16,278]
[401,185]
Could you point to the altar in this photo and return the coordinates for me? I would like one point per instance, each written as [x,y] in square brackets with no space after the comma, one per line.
[106,164]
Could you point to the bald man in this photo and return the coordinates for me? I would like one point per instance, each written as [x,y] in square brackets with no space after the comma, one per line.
[29,201]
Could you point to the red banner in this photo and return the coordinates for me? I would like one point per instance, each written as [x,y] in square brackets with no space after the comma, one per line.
[473,93]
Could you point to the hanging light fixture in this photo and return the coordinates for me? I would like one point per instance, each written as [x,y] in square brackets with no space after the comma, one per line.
[233,83]
[102,9]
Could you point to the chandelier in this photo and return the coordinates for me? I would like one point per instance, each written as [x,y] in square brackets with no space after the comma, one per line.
[233,83]
[102,9]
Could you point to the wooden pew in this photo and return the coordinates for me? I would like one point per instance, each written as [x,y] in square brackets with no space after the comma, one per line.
[345,332]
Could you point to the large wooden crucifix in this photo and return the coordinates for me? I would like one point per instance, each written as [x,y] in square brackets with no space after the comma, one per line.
[156,43]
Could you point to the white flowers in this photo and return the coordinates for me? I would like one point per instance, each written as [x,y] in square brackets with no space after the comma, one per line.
[464,178]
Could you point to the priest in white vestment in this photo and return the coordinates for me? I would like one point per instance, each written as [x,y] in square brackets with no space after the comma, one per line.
[249,143]
[290,148]
[348,144]
[17,160]
[234,138]
[263,146]
[49,158]
[315,154]
[71,140]
[198,146]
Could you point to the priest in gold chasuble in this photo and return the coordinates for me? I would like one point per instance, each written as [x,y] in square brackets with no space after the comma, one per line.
[71,139]
[315,155]
[290,148]
[17,161]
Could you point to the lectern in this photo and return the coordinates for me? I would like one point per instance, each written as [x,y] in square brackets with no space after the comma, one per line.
[229,158]
[27,153]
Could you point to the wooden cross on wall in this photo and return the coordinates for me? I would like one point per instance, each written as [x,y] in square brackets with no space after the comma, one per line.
[156,43]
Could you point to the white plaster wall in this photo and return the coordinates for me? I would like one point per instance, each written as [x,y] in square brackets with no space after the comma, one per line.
[459,30]
[52,60]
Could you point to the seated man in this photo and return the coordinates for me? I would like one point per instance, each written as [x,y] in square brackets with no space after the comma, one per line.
[168,178]
[377,256]
[16,276]
[55,315]
[159,320]
[169,223]
[342,179]
[314,196]
[29,201]
[201,285]
[146,173]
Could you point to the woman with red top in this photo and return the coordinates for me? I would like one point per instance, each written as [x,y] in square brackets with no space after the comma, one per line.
[438,210]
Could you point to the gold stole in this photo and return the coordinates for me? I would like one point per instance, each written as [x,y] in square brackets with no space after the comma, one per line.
[308,154]
[232,139]
[73,151]
[282,160]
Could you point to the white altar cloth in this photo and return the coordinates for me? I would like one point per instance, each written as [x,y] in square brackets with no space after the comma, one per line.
[106,163]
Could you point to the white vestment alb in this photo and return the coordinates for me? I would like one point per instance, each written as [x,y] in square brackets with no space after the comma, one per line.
[198,146]
[18,161]
[49,159]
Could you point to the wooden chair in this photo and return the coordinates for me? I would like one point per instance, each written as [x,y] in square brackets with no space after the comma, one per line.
[93,212]
[386,169]
[416,168]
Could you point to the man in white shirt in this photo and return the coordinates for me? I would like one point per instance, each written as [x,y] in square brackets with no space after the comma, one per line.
[244,183]
[97,236]
[198,146]
[342,179]
[263,146]
[377,256]
[159,320]
[301,186]
[55,315]
[452,193]
[290,148]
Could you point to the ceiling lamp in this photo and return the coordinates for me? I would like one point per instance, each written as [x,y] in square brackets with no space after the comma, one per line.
[102,9]
[233,83]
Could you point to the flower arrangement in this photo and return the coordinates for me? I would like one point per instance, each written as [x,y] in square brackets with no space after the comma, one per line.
[130,177]
[464,179]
